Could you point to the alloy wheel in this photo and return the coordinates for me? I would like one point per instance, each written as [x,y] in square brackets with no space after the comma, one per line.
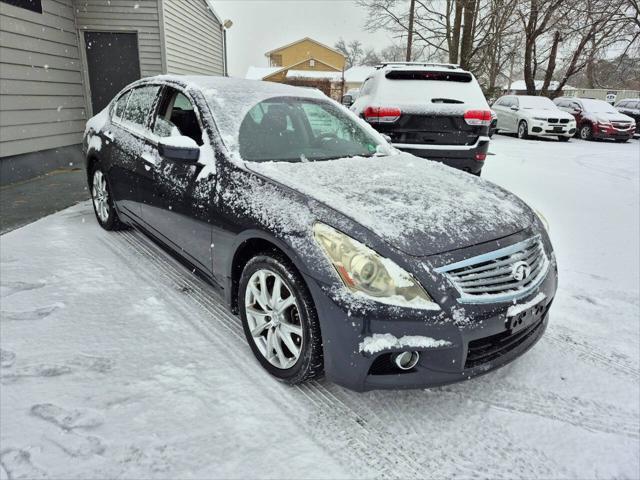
[522,130]
[100,196]
[585,132]
[273,319]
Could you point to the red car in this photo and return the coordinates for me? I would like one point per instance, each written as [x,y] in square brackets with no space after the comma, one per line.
[596,119]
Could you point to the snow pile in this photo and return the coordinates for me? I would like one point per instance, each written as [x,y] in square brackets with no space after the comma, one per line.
[379,342]
[97,121]
[514,310]
[419,206]
[95,143]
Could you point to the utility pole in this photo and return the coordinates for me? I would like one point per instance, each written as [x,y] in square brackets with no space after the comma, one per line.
[410,37]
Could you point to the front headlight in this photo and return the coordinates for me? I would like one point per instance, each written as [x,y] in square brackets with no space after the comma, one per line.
[364,272]
[540,118]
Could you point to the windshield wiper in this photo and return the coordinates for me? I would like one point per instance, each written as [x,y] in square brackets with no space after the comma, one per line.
[445,100]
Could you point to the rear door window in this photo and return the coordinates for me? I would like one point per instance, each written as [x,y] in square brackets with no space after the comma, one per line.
[139,105]
[121,105]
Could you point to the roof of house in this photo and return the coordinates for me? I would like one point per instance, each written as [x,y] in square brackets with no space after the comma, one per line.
[302,40]
[258,73]
[521,85]
[358,73]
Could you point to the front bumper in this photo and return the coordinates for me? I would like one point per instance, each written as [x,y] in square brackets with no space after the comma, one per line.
[469,158]
[477,344]
[604,133]
[545,129]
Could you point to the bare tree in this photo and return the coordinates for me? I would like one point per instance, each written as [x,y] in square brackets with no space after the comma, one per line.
[352,51]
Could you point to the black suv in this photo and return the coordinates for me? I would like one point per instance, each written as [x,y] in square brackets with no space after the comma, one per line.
[630,107]
[435,111]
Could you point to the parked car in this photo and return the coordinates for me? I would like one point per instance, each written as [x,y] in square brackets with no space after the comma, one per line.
[528,115]
[597,119]
[434,111]
[350,97]
[493,126]
[340,253]
[631,108]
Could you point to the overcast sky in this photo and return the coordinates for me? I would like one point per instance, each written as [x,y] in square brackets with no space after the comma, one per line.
[262,25]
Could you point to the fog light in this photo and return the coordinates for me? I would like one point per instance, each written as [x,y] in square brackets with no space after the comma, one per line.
[405,360]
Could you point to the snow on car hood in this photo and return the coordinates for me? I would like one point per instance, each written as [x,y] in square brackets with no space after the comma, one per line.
[416,205]
[547,113]
[612,117]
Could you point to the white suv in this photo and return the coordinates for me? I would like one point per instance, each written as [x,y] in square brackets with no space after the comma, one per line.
[528,115]
[437,111]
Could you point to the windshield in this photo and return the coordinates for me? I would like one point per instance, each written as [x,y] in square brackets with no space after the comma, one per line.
[598,106]
[537,102]
[300,129]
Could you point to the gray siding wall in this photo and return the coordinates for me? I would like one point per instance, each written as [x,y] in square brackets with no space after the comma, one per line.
[42,102]
[193,38]
[140,16]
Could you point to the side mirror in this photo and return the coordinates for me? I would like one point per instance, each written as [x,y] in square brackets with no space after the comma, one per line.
[347,100]
[515,108]
[179,148]
[387,138]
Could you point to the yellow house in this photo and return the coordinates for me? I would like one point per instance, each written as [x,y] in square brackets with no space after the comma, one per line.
[305,62]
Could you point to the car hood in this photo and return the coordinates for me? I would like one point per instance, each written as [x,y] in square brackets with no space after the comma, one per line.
[613,117]
[546,113]
[415,205]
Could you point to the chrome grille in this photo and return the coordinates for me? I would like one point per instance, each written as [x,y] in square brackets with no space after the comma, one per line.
[564,120]
[500,275]
[553,120]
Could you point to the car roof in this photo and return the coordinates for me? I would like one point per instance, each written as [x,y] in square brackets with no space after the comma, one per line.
[230,84]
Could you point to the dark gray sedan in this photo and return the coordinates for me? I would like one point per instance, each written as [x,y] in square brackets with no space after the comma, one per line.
[341,254]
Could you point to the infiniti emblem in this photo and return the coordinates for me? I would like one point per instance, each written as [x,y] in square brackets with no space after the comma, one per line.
[520,271]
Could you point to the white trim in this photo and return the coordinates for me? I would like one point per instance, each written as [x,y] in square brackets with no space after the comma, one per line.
[415,146]
[213,10]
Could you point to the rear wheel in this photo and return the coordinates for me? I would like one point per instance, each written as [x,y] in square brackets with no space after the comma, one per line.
[585,132]
[563,139]
[102,201]
[280,319]
[523,130]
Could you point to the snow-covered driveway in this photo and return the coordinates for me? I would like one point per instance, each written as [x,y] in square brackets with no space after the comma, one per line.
[117,362]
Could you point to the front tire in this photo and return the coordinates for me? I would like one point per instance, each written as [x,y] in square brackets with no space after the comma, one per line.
[279,319]
[585,132]
[103,201]
[523,130]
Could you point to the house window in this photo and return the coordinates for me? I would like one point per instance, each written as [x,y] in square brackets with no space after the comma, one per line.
[312,63]
[276,60]
[33,5]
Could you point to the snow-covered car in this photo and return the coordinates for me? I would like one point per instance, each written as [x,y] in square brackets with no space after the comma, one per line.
[529,115]
[631,108]
[435,111]
[596,119]
[340,253]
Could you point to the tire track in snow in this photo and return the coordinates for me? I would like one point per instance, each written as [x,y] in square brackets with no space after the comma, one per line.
[432,424]
[376,450]
[587,414]
[593,355]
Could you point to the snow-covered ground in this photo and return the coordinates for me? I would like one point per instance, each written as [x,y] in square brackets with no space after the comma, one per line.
[118,363]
